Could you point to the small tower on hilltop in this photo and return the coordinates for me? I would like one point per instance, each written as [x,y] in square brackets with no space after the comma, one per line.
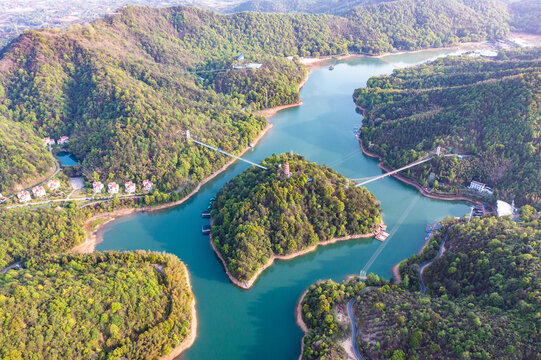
[287,173]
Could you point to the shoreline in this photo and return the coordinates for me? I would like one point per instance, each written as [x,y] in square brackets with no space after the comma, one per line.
[313,62]
[270,112]
[95,236]
[247,284]
[300,321]
[190,339]
[396,272]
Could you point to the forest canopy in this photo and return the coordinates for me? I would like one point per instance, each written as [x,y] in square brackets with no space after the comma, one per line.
[126,88]
[99,306]
[261,213]
[485,109]
[482,300]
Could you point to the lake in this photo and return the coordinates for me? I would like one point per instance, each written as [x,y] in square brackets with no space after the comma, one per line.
[260,323]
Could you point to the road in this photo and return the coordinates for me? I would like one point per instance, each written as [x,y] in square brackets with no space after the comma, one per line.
[353,330]
[427,263]
[12,266]
[76,199]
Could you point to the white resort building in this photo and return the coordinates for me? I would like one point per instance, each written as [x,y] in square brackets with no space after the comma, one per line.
[147,185]
[24,196]
[53,185]
[113,188]
[38,191]
[48,141]
[97,187]
[129,187]
[480,188]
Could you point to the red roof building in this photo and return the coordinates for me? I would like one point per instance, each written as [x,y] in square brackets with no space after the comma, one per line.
[147,185]
[129,187]
[113,188]
[38,191]
[53,185]
[97,186]
[24,196]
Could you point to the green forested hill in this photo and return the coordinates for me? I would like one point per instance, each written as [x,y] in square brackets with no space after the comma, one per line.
[482,300]
[485,108]
[22,154]
[28,233]
[122,89]
[260,212]
[99,306]
[525,15]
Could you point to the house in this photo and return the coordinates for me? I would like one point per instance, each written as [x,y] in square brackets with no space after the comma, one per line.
[129,187]
[147,185]
[2,198]
[63,140]
[97,187]
[48,141]
[253,66]
[38,191]
[240,58]
[113,188]
[53,185]
[481,188]
[24,196]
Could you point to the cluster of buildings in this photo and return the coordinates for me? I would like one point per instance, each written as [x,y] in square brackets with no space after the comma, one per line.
[38,191]
[481,188]
[62,141]
[114,188]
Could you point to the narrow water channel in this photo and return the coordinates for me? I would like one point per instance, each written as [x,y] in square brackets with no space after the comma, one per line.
[259,323]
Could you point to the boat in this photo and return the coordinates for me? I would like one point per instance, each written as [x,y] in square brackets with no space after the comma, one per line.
[331,67]
[205,229]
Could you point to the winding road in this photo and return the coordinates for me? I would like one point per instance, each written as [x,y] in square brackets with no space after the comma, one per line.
[353,330]
[428,262]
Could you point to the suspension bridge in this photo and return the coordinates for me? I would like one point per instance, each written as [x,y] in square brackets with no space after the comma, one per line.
[367,180]
[188,136]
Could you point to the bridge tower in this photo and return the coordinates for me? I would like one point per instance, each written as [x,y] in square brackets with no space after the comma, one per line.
[362,275]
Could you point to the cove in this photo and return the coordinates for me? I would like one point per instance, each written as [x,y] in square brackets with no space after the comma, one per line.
[260,323]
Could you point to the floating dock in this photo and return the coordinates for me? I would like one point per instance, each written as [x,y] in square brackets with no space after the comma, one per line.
[205,229]
[205,214]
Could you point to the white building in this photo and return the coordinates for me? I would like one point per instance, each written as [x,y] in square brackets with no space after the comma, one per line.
[147,185]
[129,187]
[53,185]
[48,141]
[63,140]
[24,196]
[113,188]
[503,208]
[38,191]
[97,187]
[481,188]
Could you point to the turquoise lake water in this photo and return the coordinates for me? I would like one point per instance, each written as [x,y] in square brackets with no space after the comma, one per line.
[260,323]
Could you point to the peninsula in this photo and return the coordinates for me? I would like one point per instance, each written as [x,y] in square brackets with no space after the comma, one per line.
[483,110]
[285,211]
[480,300]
